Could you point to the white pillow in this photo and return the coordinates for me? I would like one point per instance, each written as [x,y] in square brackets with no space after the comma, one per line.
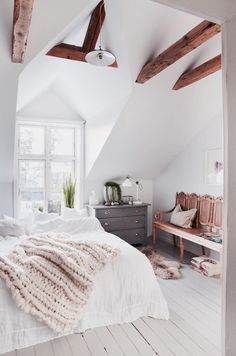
[46,226]
[11,228]
[27,222]
[183,218]
[71,213]
[44,217]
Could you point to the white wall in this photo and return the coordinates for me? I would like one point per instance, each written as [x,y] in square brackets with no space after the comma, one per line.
[9,74]
[187,171]
[229,260]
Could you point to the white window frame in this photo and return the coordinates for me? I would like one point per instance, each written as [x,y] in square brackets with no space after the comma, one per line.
[78,158]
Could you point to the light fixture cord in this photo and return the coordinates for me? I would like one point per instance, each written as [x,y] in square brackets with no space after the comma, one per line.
[100,22]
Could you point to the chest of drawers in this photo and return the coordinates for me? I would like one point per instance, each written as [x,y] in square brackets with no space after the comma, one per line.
[129,222]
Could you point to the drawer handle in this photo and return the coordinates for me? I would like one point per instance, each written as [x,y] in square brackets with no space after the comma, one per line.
[137,221]
[137,234]
[106,212]
[106,224]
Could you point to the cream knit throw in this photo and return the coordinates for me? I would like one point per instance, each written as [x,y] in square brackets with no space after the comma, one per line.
[51,277]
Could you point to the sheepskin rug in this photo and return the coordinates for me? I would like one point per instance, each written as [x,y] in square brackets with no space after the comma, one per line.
[163,268]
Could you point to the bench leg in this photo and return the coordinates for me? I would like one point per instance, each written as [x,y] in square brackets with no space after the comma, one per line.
[181,250]
[174,241]
[154,236]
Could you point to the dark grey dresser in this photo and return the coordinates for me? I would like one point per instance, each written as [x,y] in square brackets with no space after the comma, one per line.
[129,222]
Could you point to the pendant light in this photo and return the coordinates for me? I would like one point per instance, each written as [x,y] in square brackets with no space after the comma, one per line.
[100,57]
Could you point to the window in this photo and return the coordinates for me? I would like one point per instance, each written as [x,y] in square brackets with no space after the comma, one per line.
[46,156]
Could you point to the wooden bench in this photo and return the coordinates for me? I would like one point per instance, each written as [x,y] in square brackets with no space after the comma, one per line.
[209,218]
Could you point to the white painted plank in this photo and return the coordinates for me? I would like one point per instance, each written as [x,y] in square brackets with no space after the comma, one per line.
[194,315]
[44,349]
[95,346]
[203,299]
[154,340]
[78,345]
[108,341]
[29,351]
[195,303]
[188,344]
[189,318]
[137,339]
[11,353]
[207,284]
[125,343]
[61,347]
[194,335]
[158,328]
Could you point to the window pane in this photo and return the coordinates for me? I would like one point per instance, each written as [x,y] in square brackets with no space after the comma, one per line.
[31,174]
[62,141]
[31,183]
[32,201]
[31,140]
[60,171]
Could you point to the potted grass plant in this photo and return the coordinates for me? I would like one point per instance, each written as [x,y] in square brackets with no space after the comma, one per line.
[69,193]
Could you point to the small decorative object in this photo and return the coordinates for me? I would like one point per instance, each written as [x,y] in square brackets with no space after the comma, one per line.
[206,265]
[54,207]
[112,193]
[127,199]
[93,198]
[38,208]
[214,167]
[128,182]
[69,193]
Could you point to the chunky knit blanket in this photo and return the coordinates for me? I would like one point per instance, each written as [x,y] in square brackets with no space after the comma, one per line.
[51,276]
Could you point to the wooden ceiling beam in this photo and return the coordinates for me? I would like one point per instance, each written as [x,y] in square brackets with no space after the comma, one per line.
[20,31]
[76,53]
[94,26]
[198,73]
[67,51]
[193,39]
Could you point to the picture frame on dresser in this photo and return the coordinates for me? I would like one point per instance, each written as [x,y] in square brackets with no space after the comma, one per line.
[129,222]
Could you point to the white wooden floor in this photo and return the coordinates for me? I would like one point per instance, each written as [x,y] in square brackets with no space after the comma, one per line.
[193,328]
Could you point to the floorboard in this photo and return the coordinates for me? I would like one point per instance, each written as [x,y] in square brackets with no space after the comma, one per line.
[193,329]
[78,345]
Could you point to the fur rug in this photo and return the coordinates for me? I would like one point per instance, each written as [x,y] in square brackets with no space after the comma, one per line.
[163,268]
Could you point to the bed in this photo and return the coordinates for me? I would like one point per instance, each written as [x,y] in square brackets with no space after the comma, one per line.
[124,290]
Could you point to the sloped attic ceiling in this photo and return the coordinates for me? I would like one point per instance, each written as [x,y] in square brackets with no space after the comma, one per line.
[150,123]
[48,105]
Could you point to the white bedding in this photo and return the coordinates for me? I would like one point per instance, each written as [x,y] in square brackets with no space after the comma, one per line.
[124,290]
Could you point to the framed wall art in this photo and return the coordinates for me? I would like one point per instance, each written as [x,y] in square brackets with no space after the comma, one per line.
[214,166]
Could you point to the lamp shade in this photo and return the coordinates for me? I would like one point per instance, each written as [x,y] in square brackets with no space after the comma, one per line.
[100,58]
[127,182]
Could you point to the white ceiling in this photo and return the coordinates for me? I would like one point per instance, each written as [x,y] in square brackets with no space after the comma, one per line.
[145,126]
[215,10]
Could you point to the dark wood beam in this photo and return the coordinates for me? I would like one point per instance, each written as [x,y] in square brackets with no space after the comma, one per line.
[198,73]
[93,30]
[76,53]
[20,31]
[68,51]
[193,39]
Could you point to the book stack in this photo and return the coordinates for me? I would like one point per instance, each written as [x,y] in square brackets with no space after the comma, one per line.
[208,266]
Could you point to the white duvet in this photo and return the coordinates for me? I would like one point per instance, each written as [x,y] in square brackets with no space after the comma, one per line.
[124,290]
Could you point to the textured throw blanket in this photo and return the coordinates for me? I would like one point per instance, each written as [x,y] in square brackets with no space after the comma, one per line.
[51,277]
